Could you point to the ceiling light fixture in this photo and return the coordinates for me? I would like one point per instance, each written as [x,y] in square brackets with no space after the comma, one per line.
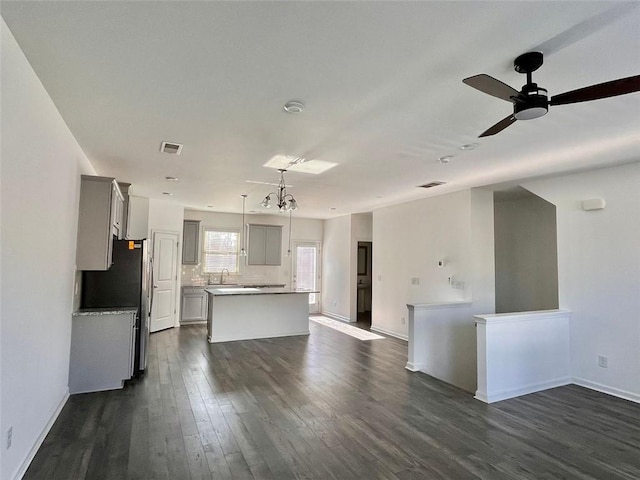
[445,159]
[243,250]
[289,251]
[285,201]
[293,106]
[171,179]
[469,146]
[167,193]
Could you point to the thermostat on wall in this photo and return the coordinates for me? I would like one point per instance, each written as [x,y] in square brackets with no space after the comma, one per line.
[593,204]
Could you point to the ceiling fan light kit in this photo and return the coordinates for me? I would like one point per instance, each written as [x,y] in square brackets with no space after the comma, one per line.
[533,101]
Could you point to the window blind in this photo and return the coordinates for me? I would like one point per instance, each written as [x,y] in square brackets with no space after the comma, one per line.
[220,251]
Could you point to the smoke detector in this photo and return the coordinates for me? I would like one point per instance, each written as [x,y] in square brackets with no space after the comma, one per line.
[293,106]
[171,148]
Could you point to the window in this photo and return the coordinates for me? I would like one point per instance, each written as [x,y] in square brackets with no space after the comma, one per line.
[220,250]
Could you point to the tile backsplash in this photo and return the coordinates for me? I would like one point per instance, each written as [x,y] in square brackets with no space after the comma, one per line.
[192,275]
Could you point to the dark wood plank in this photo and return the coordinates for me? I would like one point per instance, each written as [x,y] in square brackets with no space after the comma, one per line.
[327,406]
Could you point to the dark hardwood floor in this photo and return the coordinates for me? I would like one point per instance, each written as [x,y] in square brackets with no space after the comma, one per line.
[327,406]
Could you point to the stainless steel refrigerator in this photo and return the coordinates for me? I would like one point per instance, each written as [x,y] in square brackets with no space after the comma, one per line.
[126,284]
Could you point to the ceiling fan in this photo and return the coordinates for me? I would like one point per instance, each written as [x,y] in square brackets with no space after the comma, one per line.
[532,101]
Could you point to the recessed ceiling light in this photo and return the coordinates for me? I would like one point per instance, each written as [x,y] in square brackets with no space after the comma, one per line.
[210,206]
[469,146]
[332,208]
[253,211]
[378,196]
[445,159]
[171,179]
[293,106]
[167,193]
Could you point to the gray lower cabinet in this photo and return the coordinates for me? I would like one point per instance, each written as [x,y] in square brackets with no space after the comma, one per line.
[193,305]
[190,242]
[265,245]
[102,350]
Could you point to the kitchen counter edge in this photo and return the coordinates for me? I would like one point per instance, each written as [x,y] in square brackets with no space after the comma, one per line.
[104,311]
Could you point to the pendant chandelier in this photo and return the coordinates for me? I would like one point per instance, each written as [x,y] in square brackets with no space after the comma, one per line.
[243,250]
[284,201]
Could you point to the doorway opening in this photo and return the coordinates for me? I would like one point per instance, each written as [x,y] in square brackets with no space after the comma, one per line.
[306,271]
[365,250]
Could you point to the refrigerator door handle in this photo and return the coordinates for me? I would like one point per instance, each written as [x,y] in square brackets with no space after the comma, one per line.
[152,282]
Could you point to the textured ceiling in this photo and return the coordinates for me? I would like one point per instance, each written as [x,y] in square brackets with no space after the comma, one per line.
[381,81]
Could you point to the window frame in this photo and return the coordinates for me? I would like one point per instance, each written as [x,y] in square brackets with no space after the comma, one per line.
[204,251]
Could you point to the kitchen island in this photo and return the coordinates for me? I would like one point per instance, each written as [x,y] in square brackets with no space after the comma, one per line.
[241,313]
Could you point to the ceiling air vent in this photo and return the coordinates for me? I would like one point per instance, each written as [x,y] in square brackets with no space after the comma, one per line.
[170,147]
[431,184]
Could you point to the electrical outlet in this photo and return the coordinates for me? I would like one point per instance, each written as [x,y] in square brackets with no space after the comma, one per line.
[9,437]
[415,281]
[402,320]
[603,361]
[335,303]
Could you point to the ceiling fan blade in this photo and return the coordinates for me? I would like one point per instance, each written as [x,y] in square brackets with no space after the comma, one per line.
[498,127]
[613,88]
[491,86]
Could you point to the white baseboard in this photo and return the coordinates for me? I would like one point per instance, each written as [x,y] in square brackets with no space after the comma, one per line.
[193,322]
[390,333]
[633,397]
[517,392]
[36,446]
[414,367]
[335,316]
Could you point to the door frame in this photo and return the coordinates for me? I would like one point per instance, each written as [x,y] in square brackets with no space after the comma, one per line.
[317,308]
[176,317]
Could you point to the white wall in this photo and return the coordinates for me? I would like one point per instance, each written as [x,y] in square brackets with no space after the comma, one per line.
[526,255]
[408,241]
[338,257]
[302,229]
[41,168]
[599,273]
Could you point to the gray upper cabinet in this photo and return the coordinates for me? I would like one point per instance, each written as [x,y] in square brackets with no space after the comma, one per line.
[190,242]
[99,219]
[265,245]
[137,218]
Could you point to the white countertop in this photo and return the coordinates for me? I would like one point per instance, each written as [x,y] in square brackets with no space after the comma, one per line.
[217,291]
[105,311]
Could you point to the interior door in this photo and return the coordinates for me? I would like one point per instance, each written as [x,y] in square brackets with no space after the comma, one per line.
[165,255]
[306,271]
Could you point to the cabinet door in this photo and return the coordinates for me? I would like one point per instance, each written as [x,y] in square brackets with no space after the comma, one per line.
[95,224]
[257,244]
[117,210]
[194,306]
[138,218]
[190,243]
[273,246]
[101,355]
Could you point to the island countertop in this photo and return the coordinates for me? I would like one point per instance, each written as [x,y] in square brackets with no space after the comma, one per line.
[253,291]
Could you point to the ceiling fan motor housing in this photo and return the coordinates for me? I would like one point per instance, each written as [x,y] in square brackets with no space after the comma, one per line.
[532,102]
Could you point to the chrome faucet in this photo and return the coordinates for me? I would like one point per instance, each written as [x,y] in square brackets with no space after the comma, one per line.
[222,275]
